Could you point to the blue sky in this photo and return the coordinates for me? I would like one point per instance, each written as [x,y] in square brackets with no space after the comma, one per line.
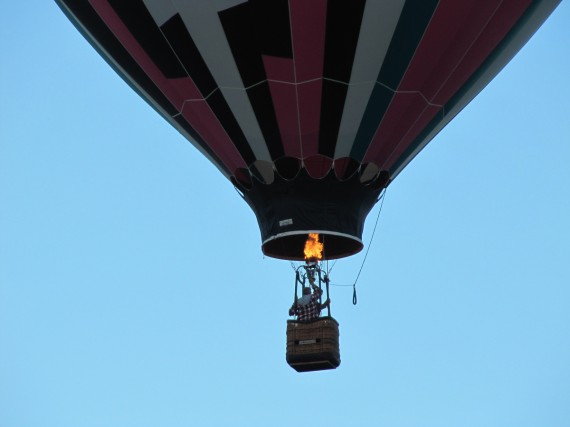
[133,291]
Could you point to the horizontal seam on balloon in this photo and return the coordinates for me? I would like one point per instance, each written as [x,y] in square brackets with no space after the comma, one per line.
[305,82]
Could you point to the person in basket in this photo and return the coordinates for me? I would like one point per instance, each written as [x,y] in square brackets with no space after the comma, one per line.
[308,306]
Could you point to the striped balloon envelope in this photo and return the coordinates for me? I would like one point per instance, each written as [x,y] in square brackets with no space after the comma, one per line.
[309,107]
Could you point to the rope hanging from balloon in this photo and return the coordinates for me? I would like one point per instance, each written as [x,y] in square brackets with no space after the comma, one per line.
[381,199]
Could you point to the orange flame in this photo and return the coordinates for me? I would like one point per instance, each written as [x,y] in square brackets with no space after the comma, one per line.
[313,248]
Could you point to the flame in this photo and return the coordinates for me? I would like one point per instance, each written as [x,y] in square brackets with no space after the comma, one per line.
[313,248]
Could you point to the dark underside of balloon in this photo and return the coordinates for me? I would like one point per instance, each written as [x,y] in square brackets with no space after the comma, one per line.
[288,210]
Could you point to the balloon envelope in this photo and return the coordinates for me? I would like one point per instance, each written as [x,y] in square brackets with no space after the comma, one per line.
[310,108]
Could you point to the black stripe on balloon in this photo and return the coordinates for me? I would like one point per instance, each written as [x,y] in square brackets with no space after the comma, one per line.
[273,27]
[341,38]
[187,52]
[332,105]
[473,80]
[183,47]
[141,24]
[223,112]
[238,23]
[246,39]
[409,31]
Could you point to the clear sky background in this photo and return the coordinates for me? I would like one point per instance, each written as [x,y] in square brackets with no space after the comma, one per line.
[133,291]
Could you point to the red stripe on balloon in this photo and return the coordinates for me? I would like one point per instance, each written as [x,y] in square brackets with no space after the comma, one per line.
[200,116]
[506,16]
[402,115]
[309,95]
[460,37]
[308,27]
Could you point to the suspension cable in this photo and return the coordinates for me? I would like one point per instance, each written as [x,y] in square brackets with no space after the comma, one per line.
[334,263]
[381,198]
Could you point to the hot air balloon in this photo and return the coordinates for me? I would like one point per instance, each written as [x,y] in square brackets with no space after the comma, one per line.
[311,108]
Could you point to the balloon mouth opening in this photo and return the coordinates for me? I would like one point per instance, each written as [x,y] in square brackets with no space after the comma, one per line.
[289,246]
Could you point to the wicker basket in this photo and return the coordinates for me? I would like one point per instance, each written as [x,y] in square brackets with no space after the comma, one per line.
[313,345]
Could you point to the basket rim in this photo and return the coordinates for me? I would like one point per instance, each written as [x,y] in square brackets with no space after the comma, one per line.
[305,322]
